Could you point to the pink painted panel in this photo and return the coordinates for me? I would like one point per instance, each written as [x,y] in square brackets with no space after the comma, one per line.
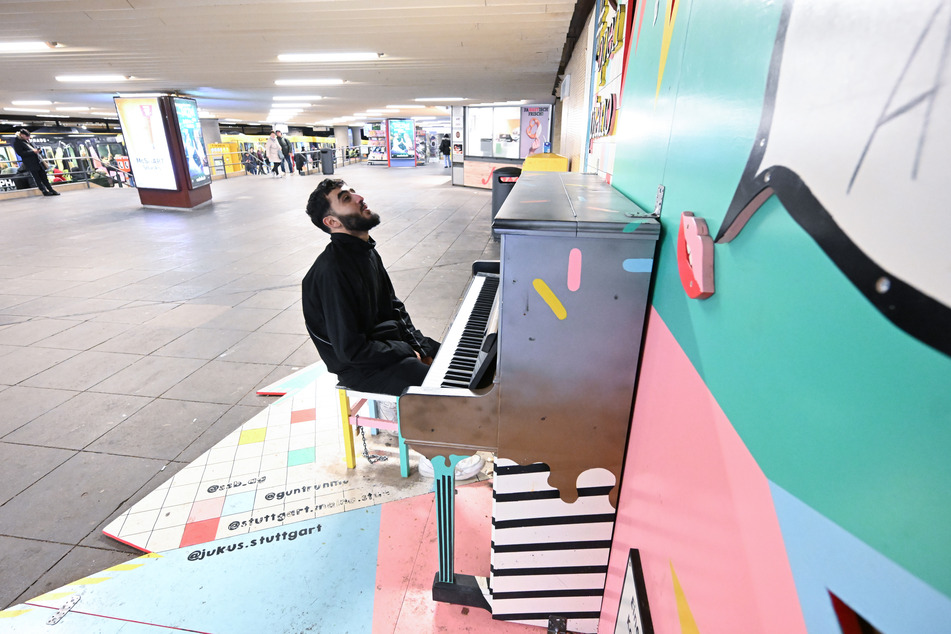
[693,498]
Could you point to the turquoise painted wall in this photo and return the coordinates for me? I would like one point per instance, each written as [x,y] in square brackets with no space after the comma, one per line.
[838,406]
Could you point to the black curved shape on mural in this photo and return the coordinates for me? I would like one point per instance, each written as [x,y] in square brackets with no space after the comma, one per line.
[918,314]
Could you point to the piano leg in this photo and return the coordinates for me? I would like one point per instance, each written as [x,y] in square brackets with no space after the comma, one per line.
[448,587]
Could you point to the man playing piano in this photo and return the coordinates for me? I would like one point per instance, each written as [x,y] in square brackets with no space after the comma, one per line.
[361,329]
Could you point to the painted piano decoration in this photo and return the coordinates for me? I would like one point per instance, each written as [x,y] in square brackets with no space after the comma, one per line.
[560,319]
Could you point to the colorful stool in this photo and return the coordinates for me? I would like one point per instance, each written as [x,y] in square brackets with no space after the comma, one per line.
[351,401]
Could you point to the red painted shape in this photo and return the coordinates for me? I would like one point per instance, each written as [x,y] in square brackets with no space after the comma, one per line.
[303,415]
[695,256]
[200,532]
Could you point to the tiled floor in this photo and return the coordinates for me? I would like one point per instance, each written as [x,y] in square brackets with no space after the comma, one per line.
[133,339]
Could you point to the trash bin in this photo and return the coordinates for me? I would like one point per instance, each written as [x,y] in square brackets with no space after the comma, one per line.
[326,161]
[503,180]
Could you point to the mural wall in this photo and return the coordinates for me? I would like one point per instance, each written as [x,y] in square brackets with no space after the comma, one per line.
[788,467]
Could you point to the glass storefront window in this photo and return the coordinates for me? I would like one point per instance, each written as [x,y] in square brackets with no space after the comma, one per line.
[492,132]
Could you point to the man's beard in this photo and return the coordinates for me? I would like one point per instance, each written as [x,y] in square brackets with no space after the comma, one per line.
[359,223]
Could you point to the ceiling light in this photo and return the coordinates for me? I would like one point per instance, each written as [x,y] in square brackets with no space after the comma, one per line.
[308,82]
[37,102]
[297,98]
[91,78]
[290,105]
[73,109]
[26,47]
[25,110]
[441,99]
[398,107]
[329,57]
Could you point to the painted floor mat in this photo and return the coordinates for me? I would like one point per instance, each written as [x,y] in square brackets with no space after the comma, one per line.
[366,570]
[283,466]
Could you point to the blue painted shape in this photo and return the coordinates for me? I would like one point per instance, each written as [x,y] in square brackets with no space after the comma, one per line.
[638,265]
[318,575]
[238,503]
[290,384]
[825,558]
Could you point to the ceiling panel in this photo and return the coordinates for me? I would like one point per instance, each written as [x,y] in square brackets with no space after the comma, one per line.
[224,52]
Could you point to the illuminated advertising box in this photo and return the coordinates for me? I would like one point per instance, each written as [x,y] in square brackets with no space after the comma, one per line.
[196,157]
[402,144]
[144,134]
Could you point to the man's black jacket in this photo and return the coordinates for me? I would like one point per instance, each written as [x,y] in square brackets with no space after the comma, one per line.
[346,296]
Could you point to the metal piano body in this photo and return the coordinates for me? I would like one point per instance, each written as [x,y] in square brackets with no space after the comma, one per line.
[576,262]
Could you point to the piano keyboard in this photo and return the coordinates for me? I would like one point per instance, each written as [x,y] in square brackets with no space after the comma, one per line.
[457,359]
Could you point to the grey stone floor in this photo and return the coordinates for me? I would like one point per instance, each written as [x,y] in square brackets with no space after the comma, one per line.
[132,340]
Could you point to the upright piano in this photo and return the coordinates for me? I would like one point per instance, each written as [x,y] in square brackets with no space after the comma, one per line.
[559,319]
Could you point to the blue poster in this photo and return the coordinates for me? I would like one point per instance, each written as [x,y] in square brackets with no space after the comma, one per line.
[196,158]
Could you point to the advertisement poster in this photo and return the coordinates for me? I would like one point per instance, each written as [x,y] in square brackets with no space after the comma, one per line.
[535,125]
[402,144]
[196,157]
[145,141]
[457,127]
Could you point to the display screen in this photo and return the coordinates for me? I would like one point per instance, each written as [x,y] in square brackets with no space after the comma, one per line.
[196,158]
[144,134]
[401,139]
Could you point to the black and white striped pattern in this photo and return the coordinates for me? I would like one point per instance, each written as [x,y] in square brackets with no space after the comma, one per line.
[549,558]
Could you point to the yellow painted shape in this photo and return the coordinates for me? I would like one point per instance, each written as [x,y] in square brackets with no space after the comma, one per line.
[687,623]
[151,556]
[545,162]
[9,614]
[553,302]
[670,17]
[53,596]
[90,581]
[123,567]
[249,436]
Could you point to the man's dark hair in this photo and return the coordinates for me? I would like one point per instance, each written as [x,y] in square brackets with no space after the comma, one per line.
[24,131]
[318,205]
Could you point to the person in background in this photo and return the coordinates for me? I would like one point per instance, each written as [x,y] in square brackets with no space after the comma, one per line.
[250,163]
[300,160]
[33,162]
[274,155]
[287,153]
[444,149]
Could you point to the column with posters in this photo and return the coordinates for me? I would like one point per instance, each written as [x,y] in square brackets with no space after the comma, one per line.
[166,150]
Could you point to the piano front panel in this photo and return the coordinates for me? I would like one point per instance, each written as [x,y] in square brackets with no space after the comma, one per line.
[567,379]
[437,425]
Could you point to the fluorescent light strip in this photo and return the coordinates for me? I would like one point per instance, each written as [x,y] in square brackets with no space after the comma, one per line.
[440,99]
[24,110]
[329,57]
[308,82]
[36,102]
[297,98]
[25,47]
[91,78]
